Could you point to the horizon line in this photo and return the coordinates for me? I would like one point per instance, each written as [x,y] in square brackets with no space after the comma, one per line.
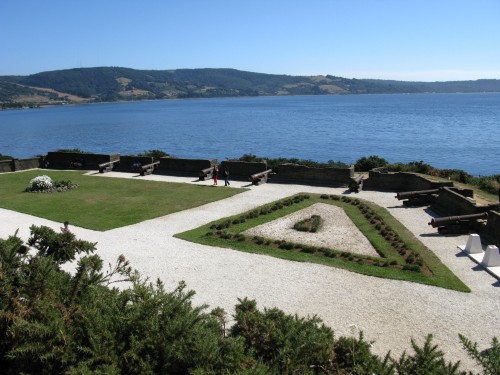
[350,75]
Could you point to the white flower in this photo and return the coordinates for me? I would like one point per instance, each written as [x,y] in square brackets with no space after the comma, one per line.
[41,183]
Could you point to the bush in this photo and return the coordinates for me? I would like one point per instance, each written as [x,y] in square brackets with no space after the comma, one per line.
[63,183]
[5,157]
[288,344]
[156,154]
[308,249]
[41,183]
[54,321]
[259,240]
[286,245]
[274,163]
[45,184]
[489,184]
[73,150]
[488,359]
[366,164]
[311,224]
[413,166]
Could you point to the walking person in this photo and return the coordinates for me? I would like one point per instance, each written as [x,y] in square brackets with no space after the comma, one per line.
[226,177]
[65,229]
[216,174]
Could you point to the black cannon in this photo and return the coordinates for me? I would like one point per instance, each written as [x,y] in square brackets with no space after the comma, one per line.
[206,174]
[107,167]
[148,168]
[260,178]
[419,197]
[356,184]
[459,224]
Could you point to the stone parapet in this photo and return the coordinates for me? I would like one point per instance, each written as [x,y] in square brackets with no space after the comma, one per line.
[6,166]
[30,163]
[295,173]
[177,166]
[241,169]
[400,181]
[492,229]
[19,164]
[453,201]
[127,162]
[75,160]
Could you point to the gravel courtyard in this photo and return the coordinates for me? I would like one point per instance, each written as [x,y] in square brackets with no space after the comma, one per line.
[389,312]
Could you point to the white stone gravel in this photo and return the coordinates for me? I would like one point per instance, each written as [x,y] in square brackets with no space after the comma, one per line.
[390,312]
[337,231]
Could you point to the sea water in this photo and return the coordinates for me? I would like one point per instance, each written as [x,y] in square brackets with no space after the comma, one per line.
[456,131]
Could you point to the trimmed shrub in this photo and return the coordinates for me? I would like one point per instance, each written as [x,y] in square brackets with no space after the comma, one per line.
[41,183]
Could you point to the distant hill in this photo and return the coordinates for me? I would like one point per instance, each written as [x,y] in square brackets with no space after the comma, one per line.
[104,84]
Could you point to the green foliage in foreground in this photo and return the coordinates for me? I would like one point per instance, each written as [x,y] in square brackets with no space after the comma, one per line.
[402,255]
[55,322]
[104,203]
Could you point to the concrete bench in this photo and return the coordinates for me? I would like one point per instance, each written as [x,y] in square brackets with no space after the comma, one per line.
[148,168]
[260,178]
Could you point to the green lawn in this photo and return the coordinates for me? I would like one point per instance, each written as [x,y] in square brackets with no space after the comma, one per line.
[104,203]
[390,264]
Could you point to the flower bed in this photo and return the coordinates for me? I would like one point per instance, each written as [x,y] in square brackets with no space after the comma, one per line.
[400,255]
[310,224]
[44,184]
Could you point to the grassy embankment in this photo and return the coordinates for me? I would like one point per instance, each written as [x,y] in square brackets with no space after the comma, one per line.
[104,203]
[402,255]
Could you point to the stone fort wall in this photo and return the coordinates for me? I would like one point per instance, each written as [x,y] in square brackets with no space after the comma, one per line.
[19,164]
[400,181]
[492,230]
[330,176]
[70,160]
[127,161]
[241,169]
[178,166]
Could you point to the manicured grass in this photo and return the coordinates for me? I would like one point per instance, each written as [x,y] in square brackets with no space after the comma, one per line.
[391,264]
[104,203]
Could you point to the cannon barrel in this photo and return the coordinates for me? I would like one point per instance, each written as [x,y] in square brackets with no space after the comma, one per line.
[412,194]
[355,183]
[259,175]
[205,173]
[448,220]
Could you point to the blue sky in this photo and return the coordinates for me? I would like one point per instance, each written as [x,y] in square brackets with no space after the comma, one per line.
[424,40]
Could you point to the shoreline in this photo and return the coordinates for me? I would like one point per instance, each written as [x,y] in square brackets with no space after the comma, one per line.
[49,105]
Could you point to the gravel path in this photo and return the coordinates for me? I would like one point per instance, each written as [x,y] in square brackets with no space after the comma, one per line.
[389,312]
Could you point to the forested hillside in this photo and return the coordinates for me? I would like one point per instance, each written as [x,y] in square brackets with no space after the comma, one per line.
[115,83]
